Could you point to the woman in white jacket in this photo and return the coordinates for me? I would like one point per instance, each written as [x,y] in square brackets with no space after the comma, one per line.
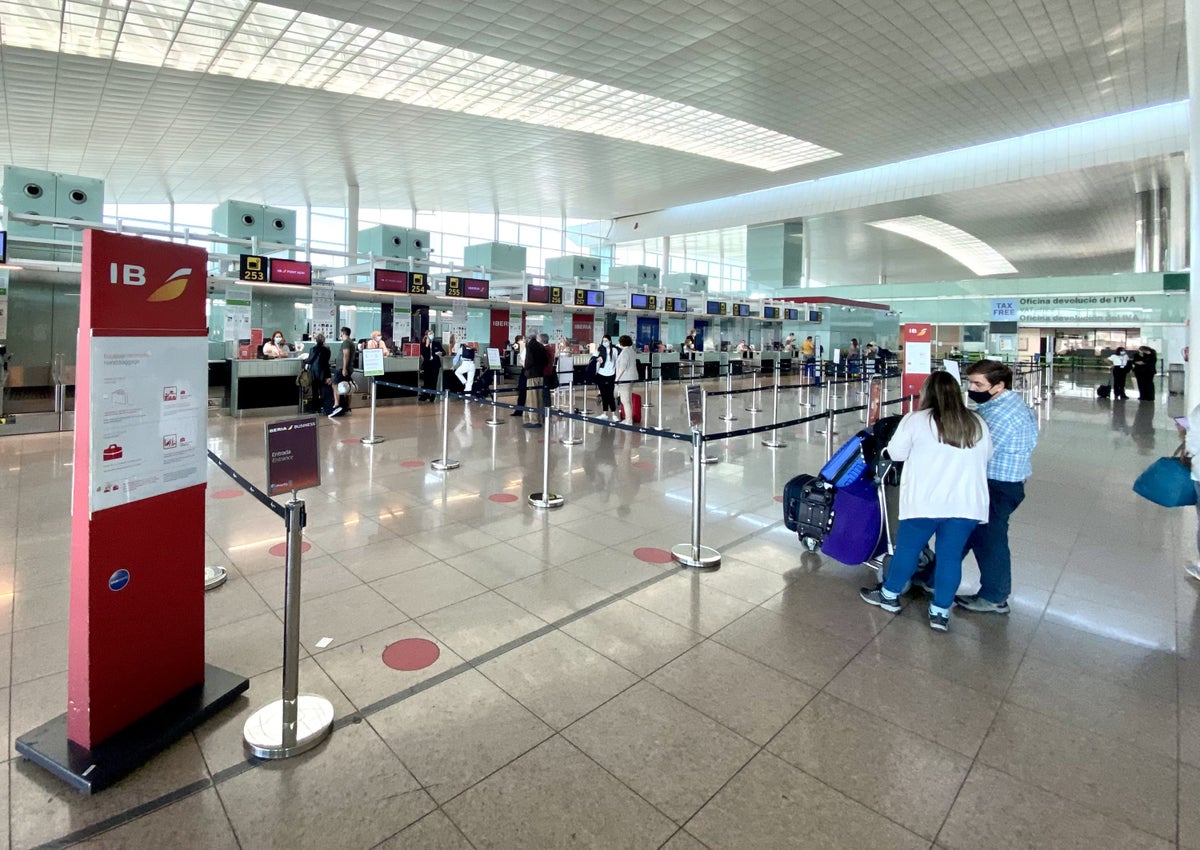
[943,491]
[626,375]
[606,373]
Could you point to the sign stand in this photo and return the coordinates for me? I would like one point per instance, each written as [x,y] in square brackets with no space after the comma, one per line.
[136,677]
[372,368]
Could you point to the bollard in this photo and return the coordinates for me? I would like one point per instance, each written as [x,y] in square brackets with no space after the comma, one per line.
[705,458]
[545,499]
[495,388]
[775,442]
[660,401]
[728,417]
[571,439]
[754,408]
[297,722]
[371,439]
[693,554]
[829,432]
[444,463]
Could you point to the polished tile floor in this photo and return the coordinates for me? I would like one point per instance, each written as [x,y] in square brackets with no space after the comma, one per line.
[586,697]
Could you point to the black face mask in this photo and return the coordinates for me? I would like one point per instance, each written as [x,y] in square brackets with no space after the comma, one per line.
[979,396]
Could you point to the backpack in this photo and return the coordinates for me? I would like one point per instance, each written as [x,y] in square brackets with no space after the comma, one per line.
[305,379]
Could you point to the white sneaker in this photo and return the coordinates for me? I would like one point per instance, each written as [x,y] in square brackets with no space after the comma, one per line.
[1192,570]
[335,412]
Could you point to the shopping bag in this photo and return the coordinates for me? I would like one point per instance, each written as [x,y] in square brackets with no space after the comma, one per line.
[1167,482]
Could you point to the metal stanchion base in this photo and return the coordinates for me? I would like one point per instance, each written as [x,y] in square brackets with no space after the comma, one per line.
[571,441]
[263,732]
[729,418]
[709,459]
[546,500]
[774,444]
[442,464]
[752,409]
[214,577]
[492,422]
[821,431]
[702,557]
[371,441]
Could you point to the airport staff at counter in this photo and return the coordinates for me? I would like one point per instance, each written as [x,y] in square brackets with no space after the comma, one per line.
[276,347]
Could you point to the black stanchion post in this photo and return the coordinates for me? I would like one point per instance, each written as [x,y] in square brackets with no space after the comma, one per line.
[495,387]
[297,722]
[444,463]
[693,554]
[545,499]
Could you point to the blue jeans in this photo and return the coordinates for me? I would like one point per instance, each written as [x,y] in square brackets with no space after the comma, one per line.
[990,540]
[911,537]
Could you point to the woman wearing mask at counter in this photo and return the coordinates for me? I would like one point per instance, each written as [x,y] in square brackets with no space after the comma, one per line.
[276,347]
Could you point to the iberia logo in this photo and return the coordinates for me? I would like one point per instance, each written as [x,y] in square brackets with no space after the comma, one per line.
[173,288]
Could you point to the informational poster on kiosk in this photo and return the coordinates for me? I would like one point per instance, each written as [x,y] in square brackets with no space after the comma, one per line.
[324,310]
[149,410]
[918,357]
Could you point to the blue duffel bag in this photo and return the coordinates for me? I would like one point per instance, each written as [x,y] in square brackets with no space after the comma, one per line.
[1167,482]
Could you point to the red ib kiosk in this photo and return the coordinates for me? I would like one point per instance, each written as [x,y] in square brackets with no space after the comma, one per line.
[136,675]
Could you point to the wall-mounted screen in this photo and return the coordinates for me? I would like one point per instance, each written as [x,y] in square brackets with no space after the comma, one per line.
[741,309]
[676,305]
[639,301]
[791,314]
[537,294]
[770,312]
[298,272]
[466,287]
[814,315]
[390,281]
[589,297]
[716,308]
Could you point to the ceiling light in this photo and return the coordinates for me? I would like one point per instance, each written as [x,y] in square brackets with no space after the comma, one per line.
[257,41]
[980,257]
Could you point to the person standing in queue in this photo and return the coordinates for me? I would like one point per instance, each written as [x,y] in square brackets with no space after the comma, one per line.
[431,366]
[344,372]
[626,375]
[549,375]
[535,369]
[606,371]
[317,364]
[1120,369]
[466,366]
[519,347]
[945,449]
[1014,433]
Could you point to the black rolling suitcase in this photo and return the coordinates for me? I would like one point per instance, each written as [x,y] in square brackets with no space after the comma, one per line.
[808,507]
[1104,391]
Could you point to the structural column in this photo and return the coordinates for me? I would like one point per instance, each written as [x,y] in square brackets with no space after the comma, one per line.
[1192,12]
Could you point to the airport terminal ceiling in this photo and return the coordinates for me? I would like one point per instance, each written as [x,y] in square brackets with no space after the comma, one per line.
[873,82]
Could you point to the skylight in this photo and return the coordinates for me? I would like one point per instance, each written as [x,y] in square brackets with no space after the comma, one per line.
[257,41]
[980,257]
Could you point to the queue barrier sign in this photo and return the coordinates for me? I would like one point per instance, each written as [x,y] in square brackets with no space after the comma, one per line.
[293,455]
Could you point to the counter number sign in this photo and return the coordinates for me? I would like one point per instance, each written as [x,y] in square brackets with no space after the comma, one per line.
[417,284]
[252,267]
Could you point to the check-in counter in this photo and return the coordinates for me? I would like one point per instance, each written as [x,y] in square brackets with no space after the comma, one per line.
[259,384]
[666,364]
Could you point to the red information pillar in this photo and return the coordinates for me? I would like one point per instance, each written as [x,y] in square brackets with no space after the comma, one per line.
[918,352]
[136,677]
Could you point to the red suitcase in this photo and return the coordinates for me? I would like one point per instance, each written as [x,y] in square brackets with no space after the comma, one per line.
[637,408]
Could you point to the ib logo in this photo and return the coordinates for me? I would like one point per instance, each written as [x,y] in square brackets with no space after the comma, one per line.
[118,580]
[136,276]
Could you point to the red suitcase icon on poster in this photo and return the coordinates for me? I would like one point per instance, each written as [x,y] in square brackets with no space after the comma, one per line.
[113,452]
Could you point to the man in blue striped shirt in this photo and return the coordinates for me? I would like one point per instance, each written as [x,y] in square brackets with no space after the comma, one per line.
[1014,436]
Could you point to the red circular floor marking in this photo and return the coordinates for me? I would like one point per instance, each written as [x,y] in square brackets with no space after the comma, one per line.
[350,440]
[280,549]
[226,494]
[411,654]
[651,555]
[412,464]
[643,464]
[779,498]
[502,497]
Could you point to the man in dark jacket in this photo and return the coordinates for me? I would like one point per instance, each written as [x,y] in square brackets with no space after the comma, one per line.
[535,368]
[317,365]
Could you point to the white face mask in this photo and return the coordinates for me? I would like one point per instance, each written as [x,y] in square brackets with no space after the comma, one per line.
[606,343]
[278,340]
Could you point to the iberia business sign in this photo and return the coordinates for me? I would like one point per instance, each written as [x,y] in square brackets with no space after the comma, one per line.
[137,548]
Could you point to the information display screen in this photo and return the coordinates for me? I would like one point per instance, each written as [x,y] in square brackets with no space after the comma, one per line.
[638,301]
[589,297]
[417,284]
[770,312]
[716,308]
[791,315]
[676,305]
[741,309]
[389,281]
[466,287]
[290,271]
[253,268]
[541,294]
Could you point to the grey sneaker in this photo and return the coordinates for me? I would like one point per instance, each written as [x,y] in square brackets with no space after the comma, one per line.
[922,586]
[939,622]
[874,596]
[979,605]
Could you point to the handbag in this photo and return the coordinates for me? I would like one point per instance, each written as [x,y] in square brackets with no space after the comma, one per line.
[1167,482]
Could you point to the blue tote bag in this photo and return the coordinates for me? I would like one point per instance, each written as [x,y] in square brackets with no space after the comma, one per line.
[1167,482]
